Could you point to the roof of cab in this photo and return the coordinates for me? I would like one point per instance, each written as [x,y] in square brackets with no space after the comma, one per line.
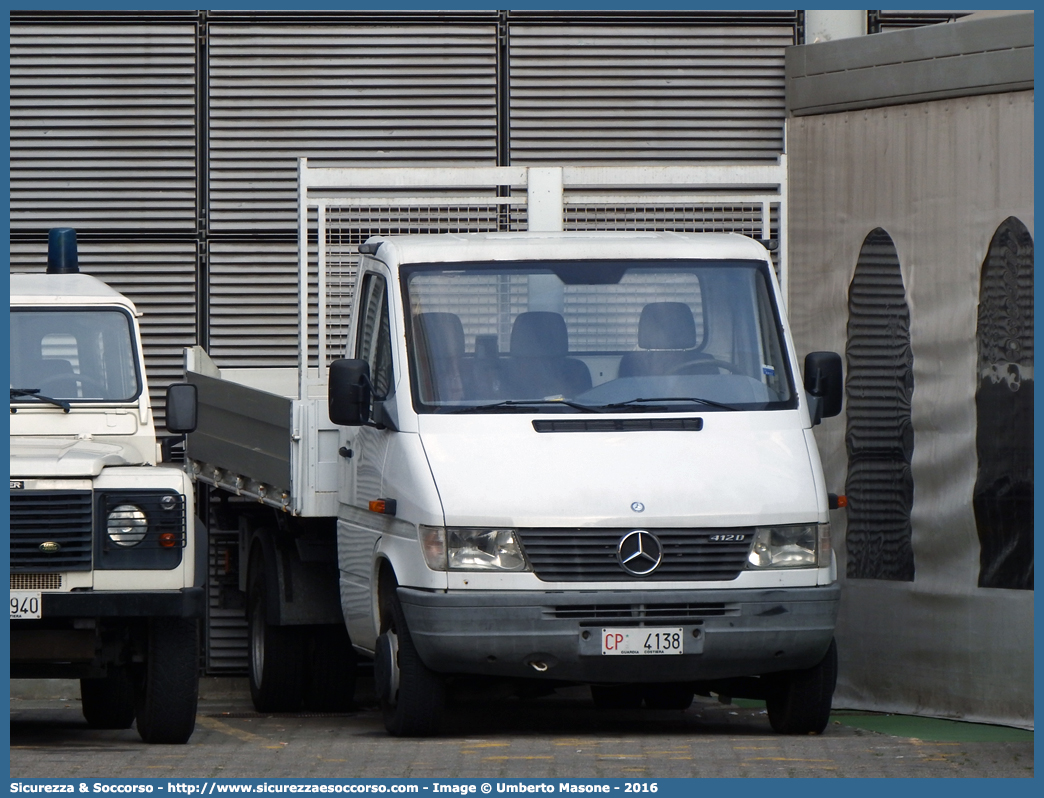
[64,289]
[478,247]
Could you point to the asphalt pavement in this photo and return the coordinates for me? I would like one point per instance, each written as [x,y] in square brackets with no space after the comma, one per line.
[558,736]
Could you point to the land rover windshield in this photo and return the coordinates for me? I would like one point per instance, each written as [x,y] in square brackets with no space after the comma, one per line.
[595,336]
[74,355]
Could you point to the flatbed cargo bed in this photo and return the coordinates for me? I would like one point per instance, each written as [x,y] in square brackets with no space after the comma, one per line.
[256,438]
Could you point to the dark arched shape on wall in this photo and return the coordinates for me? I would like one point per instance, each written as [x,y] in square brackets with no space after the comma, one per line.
[1003,498]
[879,437]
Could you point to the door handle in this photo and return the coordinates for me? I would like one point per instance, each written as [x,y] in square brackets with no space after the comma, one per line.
[344,451]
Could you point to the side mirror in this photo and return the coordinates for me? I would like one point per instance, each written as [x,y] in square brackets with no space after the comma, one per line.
[182,405]
[349,396]
[824,383]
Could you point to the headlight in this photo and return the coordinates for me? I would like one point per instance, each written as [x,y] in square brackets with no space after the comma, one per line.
[799,546]
[483,550]
[464,549]
[127,525]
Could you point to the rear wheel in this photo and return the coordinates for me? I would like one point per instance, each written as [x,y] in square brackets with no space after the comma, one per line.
[276,662]
[166,700]
[108,703]
[330,677]
[798,702]
[412,696]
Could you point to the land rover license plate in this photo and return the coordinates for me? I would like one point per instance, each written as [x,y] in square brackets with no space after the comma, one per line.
[641,641]
[25,604]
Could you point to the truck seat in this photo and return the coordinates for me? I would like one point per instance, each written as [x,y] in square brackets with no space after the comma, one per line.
[439,341]
[54,376]
[667,339]
[539,365]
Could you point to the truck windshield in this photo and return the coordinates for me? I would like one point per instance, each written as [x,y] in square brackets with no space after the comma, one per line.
[79,355]
[595,336]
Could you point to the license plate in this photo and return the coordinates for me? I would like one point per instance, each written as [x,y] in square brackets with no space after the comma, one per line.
[25,604]
[641,641]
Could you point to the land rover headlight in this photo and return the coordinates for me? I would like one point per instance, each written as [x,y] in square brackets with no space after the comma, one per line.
[792,546]
[471,549]
[127,525]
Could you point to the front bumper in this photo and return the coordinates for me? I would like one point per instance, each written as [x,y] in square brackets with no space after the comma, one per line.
[728,633]
[80,632]
[189,602]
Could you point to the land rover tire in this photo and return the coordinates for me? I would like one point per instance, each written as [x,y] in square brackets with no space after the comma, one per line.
[276,660]
[167,694]
[330,676]
[798,702]
[412,697]
[108,702]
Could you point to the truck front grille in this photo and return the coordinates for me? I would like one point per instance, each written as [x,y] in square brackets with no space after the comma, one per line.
[51,530]
[590,555]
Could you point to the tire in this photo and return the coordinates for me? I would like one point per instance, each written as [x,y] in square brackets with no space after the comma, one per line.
[108,703]
[412,697]
[276,656]
[167,696]
[668,695]
[330,677]
[616,696]
[798,702]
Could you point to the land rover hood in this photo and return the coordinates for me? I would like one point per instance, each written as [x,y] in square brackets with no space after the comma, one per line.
[740,469]
[68,457]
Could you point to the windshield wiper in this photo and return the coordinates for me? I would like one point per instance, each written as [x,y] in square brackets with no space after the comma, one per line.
[523,403]
[34,393]
[695,399]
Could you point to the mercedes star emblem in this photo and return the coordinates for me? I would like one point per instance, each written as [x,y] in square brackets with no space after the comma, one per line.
[639,552]
[638,507]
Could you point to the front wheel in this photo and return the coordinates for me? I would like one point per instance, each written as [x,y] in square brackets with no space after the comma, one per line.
[412,696]
[798,702]
[167,695]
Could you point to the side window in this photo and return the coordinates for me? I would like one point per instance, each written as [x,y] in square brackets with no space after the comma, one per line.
[373,336]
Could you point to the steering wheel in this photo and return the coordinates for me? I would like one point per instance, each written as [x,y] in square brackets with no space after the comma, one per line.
[697,366]
[85,383]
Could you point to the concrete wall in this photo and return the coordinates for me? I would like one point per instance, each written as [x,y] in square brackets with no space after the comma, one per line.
[939,177]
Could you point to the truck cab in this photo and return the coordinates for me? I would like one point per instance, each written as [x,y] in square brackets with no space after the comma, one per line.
[107,561]
[576,458]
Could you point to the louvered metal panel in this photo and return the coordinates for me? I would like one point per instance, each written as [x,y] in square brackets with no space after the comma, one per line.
[878,395]
[883,21]
[226,639]
[646,94]
[103,131]
[253,303]
[340,95]
[159,277]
